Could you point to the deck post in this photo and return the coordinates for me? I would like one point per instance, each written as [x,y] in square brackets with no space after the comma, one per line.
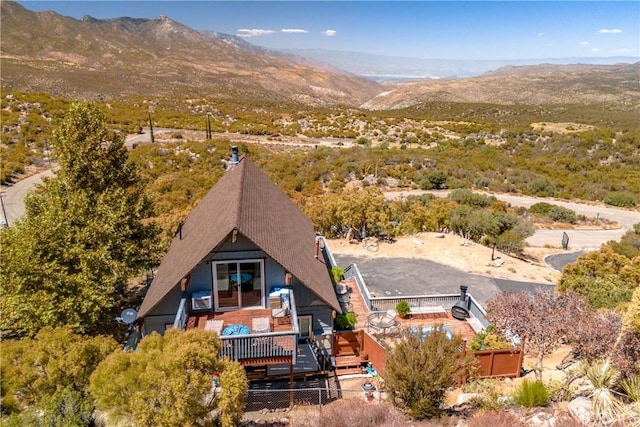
[291,383]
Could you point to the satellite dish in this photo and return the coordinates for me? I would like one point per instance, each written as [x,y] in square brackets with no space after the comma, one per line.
[129,315]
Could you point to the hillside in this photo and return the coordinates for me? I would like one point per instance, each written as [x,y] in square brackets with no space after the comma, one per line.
[533,85]
[93,58]
[47,52]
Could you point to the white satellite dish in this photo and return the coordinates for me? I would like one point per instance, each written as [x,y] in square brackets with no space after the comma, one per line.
[129,315]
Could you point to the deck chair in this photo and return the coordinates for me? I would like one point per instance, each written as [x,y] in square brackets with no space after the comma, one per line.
[214,325]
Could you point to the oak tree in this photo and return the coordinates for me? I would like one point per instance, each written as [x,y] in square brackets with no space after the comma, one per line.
[167,381]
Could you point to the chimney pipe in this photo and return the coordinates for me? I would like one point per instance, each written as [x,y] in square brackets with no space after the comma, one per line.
[234,155]
[460,310]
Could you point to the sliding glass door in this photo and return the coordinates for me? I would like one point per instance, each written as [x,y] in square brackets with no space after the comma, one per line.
[238,284]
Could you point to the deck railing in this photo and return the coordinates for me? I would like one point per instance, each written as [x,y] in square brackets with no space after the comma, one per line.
[416,302]
[352,272]
[328,256]
[264,345]
[257,346]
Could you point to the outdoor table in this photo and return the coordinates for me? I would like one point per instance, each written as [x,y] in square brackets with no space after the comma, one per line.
[382,320]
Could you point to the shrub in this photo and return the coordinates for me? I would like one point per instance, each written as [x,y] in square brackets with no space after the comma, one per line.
[532,393]
[554,212]
[337,273]
[351,413]
[621,199]
[346,320]
[418,373]
[403,308]
[496,419]
[489,339]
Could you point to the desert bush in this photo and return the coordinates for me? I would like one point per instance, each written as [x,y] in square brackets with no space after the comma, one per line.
[596,335]
[621,199]
[469,198]
[631,387]
[554,212]
[489,339]
[495,418]
[626,355]
[419,372]
[541,187]
[532,393]
[354,413]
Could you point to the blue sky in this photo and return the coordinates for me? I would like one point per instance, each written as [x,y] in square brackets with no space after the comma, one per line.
[422,29]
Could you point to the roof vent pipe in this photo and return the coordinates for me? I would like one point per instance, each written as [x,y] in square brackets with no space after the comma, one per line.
[234,155]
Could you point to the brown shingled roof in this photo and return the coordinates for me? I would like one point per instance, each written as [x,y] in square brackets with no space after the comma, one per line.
[244,199]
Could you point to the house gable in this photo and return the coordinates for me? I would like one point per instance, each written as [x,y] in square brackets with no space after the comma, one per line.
[244,202]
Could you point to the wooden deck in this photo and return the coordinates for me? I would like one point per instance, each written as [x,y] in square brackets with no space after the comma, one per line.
[242,317]
[458,327]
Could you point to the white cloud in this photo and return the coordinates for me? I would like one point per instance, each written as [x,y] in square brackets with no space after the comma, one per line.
[595,50]
[541,34]
[253,32]
[294,30]
[584,43]
[329,33]
[610,31]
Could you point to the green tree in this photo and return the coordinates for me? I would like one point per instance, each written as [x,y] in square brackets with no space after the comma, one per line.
[168,381]
[50,374]
[629,244]
[84,235]
[362,211]
[418,373]
[604,277]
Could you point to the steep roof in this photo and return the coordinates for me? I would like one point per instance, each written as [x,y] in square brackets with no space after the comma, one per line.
[246,200]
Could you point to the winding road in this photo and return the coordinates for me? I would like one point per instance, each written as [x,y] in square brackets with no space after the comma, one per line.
[13,201]
[578,239]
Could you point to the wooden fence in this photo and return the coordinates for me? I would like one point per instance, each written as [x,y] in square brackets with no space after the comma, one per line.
[504,363]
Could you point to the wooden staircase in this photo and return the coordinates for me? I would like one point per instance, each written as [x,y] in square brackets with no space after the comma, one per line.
[346,349]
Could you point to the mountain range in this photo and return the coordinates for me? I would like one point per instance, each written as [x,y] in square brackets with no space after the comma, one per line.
[91,58]
[399,68]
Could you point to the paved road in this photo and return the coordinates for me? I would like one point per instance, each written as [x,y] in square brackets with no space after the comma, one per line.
[13,195]
[578,239]
[13,199]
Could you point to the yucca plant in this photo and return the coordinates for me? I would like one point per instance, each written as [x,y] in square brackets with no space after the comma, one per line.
[607,408]
[631,387]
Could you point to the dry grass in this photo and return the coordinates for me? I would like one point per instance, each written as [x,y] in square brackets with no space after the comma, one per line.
[358,413]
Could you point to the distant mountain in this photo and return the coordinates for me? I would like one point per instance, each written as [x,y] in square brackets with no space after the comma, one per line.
[44,51]
[91,58]
[397,68]
[617,85]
